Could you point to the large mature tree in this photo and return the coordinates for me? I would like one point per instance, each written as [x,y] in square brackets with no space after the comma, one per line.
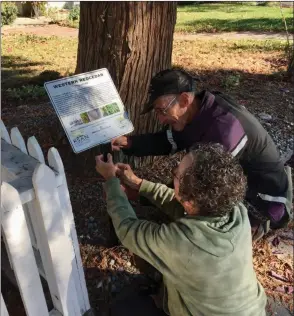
[134,41]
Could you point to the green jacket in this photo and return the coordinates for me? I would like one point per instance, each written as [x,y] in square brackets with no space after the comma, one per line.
[206,263]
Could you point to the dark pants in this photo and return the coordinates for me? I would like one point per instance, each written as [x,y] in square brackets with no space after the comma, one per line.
[131,303]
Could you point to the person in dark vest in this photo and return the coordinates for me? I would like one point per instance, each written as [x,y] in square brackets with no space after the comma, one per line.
[213,117]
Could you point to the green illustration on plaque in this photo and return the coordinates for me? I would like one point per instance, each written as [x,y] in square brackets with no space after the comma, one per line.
[110,109]
[85,117]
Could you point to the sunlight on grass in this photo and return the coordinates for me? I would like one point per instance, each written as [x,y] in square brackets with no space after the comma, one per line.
[231,17]
[27,56]
[256,57]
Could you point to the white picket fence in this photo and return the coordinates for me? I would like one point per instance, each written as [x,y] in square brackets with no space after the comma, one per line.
[38,228]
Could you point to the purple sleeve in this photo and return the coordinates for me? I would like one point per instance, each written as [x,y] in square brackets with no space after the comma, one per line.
[227,131]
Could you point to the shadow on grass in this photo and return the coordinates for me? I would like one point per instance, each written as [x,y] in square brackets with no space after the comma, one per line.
[218,25]
[17,71]
[222,7]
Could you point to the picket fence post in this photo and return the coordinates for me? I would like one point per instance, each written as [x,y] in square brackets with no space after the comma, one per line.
[4,132]
[4,311]
[21,252]
[35,150]
[18,141]
[55,162]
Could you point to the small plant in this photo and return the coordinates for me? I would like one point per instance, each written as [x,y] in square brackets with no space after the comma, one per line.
[52,13]
[74,14]
[26,92]
[31,39]
[232,81]
[8,13]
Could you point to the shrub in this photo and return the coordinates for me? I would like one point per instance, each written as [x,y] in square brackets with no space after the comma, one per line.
[74,14]
[267,3]
[8,13]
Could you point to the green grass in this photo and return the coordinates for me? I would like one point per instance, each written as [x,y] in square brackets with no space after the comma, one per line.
[226,17]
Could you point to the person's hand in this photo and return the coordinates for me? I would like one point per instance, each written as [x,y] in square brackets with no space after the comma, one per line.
[106,169]
[127,176]
[119,142]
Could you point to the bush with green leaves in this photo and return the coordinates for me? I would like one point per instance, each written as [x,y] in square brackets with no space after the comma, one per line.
[8,13]
[267,3]
[74,14]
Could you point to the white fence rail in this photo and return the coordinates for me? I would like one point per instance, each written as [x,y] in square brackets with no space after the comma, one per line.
[38,228]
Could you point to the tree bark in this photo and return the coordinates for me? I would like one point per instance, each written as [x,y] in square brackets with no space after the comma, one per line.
[290,70]
[133,40]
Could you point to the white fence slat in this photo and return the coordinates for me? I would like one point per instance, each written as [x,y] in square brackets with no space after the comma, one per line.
[22,256]
[8,254]
[35,150]
[4,311]
[70,230]
[4,132]
[30,226]
[56,250]
[54,312]
[56,163]
[17,140]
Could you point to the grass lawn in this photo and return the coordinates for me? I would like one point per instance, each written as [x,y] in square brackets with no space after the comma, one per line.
[29,60]
[227,17]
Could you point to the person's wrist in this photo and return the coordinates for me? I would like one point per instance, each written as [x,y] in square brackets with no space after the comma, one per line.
[109,176]
[137,183]
[128,142]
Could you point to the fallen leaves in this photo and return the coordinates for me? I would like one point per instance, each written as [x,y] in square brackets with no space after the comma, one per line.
[274,268]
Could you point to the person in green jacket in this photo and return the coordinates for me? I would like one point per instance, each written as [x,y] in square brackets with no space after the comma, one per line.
[205,253]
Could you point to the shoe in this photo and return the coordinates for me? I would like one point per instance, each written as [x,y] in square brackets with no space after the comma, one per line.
[259,231]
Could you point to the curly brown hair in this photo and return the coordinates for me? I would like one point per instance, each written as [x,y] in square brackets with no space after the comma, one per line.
[215,181]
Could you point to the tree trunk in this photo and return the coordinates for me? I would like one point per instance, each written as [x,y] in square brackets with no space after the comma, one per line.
[133,40]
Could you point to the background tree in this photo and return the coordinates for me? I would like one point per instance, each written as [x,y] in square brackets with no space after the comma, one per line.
[133,40]
[291,50]
[290,42]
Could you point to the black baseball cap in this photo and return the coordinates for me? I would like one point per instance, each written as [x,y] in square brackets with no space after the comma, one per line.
[169,81]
